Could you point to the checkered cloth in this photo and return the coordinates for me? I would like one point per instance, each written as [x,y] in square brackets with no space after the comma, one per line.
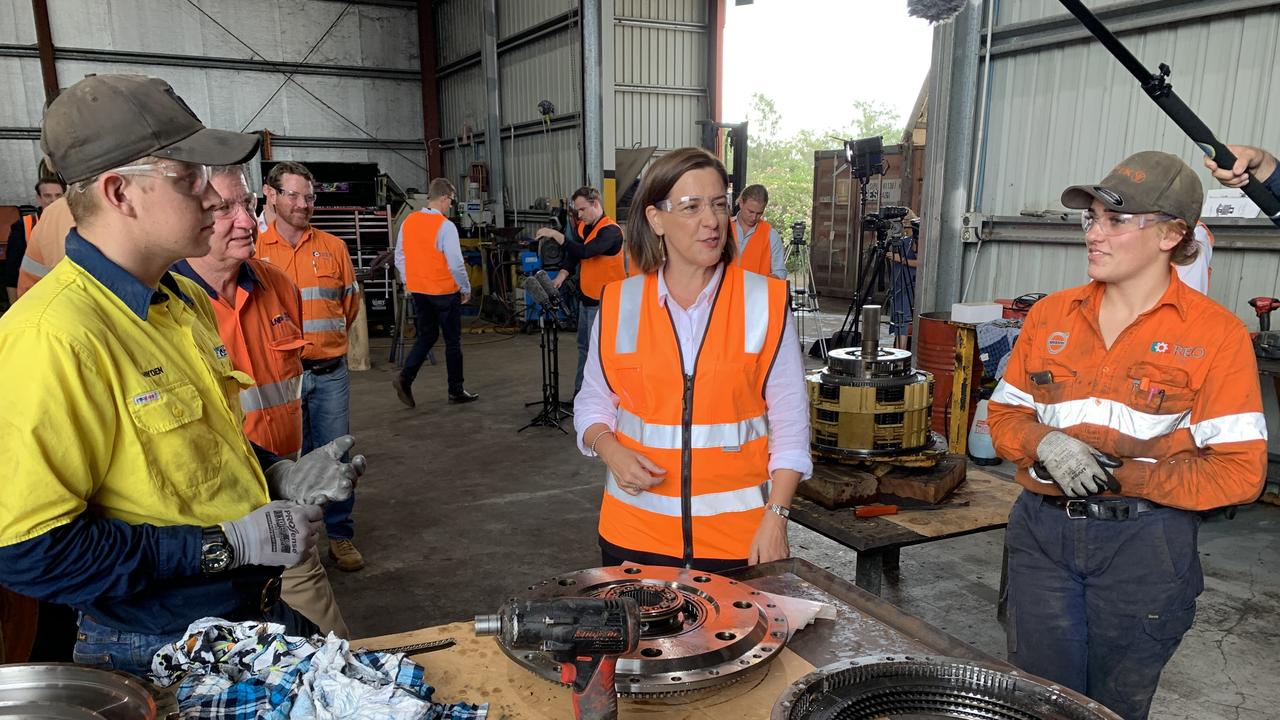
[242,671]
[995,344]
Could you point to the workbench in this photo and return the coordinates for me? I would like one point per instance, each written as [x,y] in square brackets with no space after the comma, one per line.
[879,540]
[475,670]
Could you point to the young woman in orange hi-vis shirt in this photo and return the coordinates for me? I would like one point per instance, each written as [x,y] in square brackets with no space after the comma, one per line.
[1129,404]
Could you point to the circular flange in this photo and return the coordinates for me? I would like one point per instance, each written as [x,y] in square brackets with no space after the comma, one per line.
[698,629]
[849,361]
[872,688]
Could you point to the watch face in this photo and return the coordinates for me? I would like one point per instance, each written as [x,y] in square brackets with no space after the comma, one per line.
[215,552]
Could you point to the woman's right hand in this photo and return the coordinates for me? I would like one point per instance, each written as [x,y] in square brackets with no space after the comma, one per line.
[633,472]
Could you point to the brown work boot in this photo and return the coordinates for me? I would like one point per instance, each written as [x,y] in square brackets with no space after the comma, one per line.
[344,552]
[403,391]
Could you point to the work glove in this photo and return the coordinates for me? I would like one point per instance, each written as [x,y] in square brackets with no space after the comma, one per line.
[1075,466]
[280,533]
[319,477]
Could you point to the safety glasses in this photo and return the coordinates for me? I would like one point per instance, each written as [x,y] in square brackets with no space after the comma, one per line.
[189,179]
[228,207]
[1112,223]
[691,206]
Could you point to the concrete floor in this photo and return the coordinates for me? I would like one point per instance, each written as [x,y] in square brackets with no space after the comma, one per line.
[458,510]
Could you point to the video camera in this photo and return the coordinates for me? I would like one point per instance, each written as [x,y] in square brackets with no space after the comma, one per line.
[886,224]
[797,232]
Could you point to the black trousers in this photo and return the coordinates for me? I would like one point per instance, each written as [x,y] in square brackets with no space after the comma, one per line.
[437,315]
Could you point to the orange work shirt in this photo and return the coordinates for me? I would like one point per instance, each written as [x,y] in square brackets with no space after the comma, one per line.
[46,244]
[1175,397]
[262,330]
[322,270]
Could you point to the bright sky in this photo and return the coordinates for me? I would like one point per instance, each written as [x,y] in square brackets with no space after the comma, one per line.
[814,58]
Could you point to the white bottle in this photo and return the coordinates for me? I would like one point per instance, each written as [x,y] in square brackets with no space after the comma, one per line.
[981,450]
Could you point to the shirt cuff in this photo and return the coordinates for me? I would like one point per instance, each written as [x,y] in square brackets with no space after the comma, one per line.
[801,462]
[179,551]
[583,445]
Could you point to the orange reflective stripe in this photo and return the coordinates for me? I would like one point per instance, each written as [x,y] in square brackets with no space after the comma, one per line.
[426,268]
[321,269]
[756,255]
[596,272]
[725,437]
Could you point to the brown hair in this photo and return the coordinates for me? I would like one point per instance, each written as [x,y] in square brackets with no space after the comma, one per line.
[586,192]
[1187,249]
[279,170]
[50,181]
[646,246]
[439,188]
[755,192]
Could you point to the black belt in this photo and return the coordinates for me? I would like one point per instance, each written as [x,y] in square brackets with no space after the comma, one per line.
[1101,508]
[260,607]
[321,367]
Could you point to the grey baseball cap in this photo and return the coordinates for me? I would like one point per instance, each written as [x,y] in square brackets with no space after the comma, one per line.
[1146,182]
[105,121]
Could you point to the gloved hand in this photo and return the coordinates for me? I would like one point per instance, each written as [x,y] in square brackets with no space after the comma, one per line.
[319,477]
[280,533]
[1073,465]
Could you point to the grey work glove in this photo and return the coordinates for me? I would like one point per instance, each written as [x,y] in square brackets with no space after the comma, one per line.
[279,534]
[319,477]
[1072,464]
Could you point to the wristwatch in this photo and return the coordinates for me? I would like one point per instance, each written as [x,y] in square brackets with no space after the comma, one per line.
[216,554]
[782,510]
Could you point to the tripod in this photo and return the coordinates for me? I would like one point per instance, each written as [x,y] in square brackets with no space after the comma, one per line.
[551,412]
[804,300]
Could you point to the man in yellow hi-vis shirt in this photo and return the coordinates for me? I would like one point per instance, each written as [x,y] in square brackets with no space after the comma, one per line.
[132,493]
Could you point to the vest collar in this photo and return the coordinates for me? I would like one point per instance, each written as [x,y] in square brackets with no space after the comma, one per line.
[137,295]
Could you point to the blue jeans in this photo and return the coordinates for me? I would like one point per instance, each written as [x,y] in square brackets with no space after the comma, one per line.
[100,646]
[586,318]
[1101,605]
[326,401]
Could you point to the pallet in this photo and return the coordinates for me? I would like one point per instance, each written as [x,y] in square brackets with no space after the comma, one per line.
[838,485]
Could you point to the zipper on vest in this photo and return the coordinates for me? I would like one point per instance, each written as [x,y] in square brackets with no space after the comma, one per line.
[686,471]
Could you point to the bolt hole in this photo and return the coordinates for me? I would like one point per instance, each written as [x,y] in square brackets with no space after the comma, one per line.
[568,581]
[713,672]
[742,604]
[701,578]
[757,656]
[726,635]
[766,648]
[557,668]
[777,619]
[651,652]
[631,571]
[676,678]
[744,662]
[634,679]
[777,633]
[771,605]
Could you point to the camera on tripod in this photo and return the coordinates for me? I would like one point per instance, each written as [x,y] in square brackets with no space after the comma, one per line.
[797,233]
[865,156]
[886,224]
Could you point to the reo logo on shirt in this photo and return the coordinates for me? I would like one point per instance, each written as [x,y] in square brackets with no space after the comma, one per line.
[1193,352]
[1057,342]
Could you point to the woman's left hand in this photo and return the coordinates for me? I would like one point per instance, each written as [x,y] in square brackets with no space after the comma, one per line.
[770,542]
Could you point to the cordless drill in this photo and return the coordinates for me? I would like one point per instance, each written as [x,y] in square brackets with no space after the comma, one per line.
[1266,344]
[584,635]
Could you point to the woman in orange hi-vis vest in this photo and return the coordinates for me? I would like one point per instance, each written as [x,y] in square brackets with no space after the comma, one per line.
[694,393]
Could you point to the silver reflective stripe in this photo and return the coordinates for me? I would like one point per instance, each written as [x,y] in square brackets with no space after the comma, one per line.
[1230,428]
[261,397]
[748,498]
[755,297]
[351,289]
[33,267]
[630,301]
[716,435]
[324,325]
[321,293]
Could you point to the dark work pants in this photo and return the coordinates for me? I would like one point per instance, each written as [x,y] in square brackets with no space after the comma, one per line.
[437,315]
[1101,605]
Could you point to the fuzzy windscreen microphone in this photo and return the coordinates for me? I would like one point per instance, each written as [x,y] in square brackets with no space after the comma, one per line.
[935,11]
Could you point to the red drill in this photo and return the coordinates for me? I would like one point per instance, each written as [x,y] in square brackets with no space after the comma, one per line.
[1263,306]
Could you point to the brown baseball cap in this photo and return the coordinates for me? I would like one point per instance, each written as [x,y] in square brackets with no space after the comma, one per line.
[1146,182]
[105,121]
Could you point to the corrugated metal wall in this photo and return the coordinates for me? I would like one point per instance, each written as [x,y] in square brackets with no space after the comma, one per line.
[660,72]
[362,99]
[1063,111]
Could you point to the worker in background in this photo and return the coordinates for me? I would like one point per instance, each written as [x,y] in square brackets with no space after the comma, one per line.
[1103,582]
[429,260]
[1249,161]
[760,249]
[47,245]
[319,264]
[596,252]
[48,191]
[1196,273]
[133,494]
[268,213]
[903,256]
[259,313]
[683,321]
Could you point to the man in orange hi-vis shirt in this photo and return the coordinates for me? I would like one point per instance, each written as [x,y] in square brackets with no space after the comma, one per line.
[1128,405]
[319,264]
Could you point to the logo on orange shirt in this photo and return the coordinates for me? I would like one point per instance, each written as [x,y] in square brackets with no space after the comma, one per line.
[1159,347]
[1057,342]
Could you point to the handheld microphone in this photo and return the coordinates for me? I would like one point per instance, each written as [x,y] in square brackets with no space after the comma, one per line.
[935,11]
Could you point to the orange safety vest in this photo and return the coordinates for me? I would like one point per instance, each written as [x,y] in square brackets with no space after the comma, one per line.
[28,224]
[712,438]
[426,270]
[596,272]
[263,334]
[755,254]
[46,244]
[321,268]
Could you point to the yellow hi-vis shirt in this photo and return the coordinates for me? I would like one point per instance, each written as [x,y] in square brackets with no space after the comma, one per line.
[125,413]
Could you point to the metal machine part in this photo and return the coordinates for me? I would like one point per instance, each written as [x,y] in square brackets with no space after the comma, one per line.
[929,687]
[63,691]
[868,402]
[698,630]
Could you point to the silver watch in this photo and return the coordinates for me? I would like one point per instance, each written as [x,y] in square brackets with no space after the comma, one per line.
[782,510]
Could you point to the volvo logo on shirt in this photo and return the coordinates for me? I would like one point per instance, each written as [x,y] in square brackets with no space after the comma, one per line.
[1057,342]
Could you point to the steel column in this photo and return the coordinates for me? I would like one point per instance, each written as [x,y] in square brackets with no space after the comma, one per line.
[430,87]
[493,125]
[44,45]
[592,96]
